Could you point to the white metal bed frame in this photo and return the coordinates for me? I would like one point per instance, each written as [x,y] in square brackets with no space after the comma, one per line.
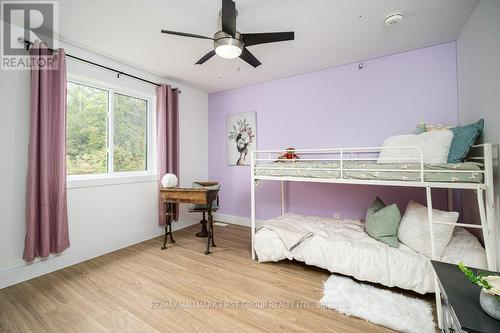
[484,190]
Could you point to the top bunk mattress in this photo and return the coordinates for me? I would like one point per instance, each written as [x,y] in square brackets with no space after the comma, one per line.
[448,172]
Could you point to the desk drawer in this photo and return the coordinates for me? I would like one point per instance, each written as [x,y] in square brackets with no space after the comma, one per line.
[185,197]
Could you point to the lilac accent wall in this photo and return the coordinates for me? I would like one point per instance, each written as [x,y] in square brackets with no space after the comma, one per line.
[337,107]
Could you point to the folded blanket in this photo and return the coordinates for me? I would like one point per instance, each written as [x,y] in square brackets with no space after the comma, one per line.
[290,232]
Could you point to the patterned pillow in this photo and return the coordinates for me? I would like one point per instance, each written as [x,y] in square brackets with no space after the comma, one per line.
[423,127]
[463,139]
[434,146]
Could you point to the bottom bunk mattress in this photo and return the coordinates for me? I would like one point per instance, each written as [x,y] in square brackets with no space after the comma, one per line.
[342,246]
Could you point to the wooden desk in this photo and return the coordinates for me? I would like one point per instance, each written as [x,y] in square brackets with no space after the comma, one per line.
[201,196]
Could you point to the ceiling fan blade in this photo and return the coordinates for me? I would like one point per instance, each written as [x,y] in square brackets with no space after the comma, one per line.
[184,34]
[267,37]
[205,57]
[249,58]
[229,17]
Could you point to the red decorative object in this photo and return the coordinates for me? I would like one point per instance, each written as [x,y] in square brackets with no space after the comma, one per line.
[289,154]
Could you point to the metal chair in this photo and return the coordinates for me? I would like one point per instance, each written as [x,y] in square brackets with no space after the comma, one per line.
[203,208]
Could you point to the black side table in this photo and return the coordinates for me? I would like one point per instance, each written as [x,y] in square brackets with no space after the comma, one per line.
[460,301]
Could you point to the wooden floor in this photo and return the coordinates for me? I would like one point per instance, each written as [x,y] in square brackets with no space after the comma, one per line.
[144,289]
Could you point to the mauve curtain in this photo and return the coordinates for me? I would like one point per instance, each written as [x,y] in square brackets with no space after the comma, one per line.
[167,136]
[46,209]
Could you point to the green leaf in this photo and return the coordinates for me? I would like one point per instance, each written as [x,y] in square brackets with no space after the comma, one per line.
[478,280]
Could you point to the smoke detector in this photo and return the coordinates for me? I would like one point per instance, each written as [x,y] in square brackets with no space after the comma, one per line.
[393,19]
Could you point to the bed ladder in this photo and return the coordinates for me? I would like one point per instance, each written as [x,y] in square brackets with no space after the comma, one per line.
[487,226]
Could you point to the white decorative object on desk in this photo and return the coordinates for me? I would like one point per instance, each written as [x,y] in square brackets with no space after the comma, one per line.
[169,180]
[490,298]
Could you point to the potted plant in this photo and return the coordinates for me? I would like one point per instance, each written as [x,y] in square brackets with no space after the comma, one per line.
[490,292]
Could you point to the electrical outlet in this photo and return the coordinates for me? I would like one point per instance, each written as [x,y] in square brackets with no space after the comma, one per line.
[337,216]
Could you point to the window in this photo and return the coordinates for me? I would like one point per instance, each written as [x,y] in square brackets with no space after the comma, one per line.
[87,130]
[130,125]
[107,131]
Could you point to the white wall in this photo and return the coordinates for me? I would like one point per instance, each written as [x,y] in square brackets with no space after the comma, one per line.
[478,63]
[101,218]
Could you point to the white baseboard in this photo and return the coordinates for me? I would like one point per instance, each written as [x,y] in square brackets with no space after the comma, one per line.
[233,219]
[14,275]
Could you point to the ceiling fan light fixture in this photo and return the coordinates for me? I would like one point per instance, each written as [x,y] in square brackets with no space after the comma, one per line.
[226,46]
[228,51]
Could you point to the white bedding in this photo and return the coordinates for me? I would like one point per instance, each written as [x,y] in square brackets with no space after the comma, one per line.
[342,246]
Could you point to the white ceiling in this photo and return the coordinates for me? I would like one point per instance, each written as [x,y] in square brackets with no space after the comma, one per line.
[327,33]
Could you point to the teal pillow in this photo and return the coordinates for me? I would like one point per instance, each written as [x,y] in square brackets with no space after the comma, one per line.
[463,139]
[382,222]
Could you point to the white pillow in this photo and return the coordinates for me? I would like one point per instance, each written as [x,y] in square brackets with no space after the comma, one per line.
[414,229]
[435,147]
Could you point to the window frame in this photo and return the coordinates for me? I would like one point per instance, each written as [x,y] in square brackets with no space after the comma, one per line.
[112,177]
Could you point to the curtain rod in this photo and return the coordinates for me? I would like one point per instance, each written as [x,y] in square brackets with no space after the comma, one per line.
[28,44]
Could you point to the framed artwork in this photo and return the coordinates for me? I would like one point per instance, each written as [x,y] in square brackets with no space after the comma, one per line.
[241,137]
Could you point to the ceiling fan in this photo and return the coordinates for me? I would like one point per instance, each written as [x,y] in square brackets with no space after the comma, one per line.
[229,43]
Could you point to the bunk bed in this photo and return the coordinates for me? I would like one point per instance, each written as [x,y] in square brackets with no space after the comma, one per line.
[362,166]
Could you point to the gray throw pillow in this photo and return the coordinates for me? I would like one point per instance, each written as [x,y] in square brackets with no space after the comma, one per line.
[382,222]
